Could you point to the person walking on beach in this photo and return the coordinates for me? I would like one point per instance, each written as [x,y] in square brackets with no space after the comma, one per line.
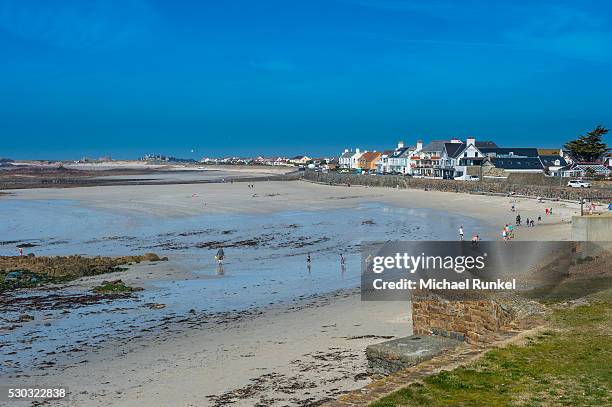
[220,256]
[461,232]
[513,207]
[342,259]
[308,260]
[546,211]
[518,220]
[550,211]
[475,240]
[21,252]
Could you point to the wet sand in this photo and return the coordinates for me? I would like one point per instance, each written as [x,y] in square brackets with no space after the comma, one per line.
[275,196]
[286,354]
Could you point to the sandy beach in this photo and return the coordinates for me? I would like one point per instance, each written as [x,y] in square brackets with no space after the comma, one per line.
[274,196]
[299,352]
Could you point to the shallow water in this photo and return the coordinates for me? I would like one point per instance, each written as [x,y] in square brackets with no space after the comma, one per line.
[265,263]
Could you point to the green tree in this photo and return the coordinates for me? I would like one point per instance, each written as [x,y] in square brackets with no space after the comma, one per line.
[588,147]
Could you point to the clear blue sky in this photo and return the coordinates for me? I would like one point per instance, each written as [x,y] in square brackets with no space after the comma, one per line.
[129,77]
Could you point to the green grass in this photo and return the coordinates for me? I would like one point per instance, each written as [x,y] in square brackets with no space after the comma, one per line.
[568,365]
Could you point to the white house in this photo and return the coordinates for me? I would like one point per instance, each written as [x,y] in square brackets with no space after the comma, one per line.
[395,161]
[350,159]
[354,160]
[344,161]
[428,161]
[382,166]
[585,169]
[460,156]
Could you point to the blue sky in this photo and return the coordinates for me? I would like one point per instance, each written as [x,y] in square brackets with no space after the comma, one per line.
[131,77]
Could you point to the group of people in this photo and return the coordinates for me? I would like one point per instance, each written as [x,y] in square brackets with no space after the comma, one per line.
[251,185]
[531,222]
[508,232]
[475,237]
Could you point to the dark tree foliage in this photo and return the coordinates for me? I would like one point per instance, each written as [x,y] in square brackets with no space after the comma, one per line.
[588,147]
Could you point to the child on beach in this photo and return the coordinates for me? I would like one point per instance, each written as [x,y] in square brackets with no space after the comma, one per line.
[475,239]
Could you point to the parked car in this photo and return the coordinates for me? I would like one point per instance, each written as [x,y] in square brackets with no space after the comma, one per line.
[576,183]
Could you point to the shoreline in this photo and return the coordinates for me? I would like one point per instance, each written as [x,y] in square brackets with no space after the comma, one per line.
[284,354]
[181,200]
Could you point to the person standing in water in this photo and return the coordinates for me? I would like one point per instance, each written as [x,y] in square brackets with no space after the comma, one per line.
[220,256]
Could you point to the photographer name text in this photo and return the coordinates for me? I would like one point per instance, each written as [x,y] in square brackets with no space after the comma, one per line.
[443,284]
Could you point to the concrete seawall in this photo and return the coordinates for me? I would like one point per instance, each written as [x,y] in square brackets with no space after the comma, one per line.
[594,228]
[473,187]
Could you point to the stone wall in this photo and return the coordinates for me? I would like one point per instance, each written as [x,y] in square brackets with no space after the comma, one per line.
[472,321]
[503,187]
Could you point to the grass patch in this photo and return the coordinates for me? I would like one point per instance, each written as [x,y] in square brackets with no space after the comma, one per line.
[568,365]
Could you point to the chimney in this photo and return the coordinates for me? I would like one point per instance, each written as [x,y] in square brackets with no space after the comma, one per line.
[419,145]
[400,144]
[346,150]
[471,140]
[356,151]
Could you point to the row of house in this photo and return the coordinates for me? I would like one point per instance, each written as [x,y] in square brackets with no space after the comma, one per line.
[274,161]
[469,159]
[300,160]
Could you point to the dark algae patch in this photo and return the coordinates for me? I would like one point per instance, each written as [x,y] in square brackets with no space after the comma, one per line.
[116,286]
[31,271]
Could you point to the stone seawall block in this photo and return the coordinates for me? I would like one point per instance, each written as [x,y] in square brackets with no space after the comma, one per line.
[472,321]
[398,354]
